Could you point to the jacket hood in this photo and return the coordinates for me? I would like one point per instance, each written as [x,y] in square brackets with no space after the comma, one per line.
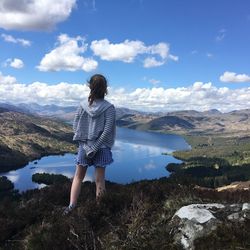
[97,107]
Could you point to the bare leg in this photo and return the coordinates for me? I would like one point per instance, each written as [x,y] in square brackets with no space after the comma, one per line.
[76,184]
[100,181]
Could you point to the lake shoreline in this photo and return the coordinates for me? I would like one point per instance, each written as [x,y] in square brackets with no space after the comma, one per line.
[137,155]
[29,159]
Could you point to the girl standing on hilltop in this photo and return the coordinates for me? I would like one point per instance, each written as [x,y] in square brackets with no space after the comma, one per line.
[94,129]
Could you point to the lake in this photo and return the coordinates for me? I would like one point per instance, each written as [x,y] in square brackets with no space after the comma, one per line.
[137,155]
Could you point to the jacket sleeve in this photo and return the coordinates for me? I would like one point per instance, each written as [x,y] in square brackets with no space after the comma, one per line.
[107,131]
[77,117]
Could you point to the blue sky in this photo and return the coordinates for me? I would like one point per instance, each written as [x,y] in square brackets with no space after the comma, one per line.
[157,55]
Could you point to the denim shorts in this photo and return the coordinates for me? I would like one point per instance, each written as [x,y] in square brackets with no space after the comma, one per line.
[102,158]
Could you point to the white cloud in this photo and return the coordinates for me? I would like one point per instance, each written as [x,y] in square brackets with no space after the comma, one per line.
[128,50]
[154,81]
[68,56]
[33,14]
[42,93]
[14,63]
[150,62]
[11,39]
[198,96]
[233,77]
[162,49]
[17,63]
[174,58]
[221,35]
[13,177]
[151,165]
[6,80]
[209,55]
[151,80]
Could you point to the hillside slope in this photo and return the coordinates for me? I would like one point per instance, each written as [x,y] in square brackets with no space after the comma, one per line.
[192,122]
[24,137]
[133,216]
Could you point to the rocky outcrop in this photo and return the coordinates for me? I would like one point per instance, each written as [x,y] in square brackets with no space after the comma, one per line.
[199,220]
[239,185]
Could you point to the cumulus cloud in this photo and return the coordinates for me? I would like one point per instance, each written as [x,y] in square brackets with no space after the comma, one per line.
[68,56]
[128,50]
[14,63]
[33,14]
[11,39]
[233,77]
[6,80]
[199,96]
[42,93]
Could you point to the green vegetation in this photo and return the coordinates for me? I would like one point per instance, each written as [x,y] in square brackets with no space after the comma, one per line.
[49,179]
[7,190]
[133,216]
[24,138]
[5,184]
[210,174]
[214,161]
[236,150]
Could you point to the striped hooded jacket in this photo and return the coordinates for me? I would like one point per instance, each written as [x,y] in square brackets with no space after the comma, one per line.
[95,123]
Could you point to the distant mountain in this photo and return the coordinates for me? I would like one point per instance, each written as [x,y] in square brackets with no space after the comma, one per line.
[184,113]
[15,108]
[63,113]
[212,112]
[192,122]
[121,112]
[47,110]
[184,121]
[2,110]
[245,112]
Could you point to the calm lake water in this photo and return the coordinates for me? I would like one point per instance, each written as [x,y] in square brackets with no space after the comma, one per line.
[137,155]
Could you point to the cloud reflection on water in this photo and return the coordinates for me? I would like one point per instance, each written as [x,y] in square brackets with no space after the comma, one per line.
[132,161]
[13,177]
[150,165]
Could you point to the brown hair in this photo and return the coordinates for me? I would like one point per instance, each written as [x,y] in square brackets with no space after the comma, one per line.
[98,88]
